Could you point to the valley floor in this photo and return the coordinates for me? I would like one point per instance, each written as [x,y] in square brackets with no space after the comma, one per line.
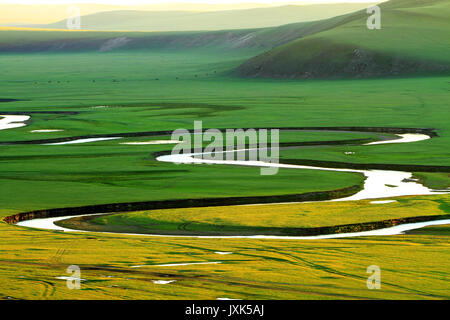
[130,100]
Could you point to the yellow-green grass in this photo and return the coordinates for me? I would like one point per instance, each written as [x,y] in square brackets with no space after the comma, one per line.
[263,218]
[412,267]
[86,175]
[59,176]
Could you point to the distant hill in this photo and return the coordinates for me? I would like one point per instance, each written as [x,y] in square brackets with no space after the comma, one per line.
[16,13]
[17,40]
[129,20]
[414,39]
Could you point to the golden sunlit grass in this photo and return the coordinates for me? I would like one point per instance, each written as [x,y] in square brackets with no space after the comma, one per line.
[412,267]
[251,217]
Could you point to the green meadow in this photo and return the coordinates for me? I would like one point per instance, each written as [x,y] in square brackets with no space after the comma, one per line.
[139,103]
[43,177]
[164,88]
[124,267]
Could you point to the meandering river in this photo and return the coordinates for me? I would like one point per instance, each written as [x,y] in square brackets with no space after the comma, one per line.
[379,184]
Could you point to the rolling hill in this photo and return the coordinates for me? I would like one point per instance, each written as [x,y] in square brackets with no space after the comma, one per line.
[413,40]
[139,20]
[23,40]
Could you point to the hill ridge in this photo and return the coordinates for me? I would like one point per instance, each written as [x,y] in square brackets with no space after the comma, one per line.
[403,46]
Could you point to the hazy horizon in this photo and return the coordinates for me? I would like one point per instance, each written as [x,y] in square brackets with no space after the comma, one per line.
[48,11]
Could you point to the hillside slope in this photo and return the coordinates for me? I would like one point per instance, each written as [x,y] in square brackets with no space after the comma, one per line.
[256,40]
[132,20]
[413,40]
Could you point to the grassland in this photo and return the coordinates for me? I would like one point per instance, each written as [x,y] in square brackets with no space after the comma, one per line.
[433,230]
[413,267]
[280,219]
[161,89]
[137,102]
[411,41]
[437,181]
[106,173]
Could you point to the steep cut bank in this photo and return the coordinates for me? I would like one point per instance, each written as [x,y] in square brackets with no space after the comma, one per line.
[412,41]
